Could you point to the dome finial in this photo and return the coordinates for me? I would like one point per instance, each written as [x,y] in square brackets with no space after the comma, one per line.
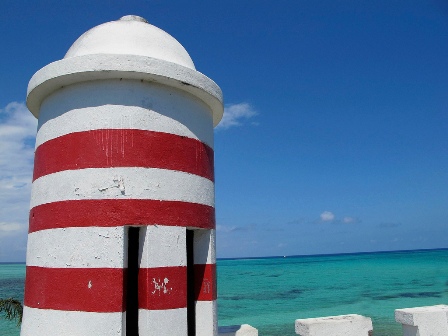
[133,18]
[131,35]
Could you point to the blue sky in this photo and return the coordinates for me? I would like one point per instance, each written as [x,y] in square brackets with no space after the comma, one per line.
[335,137]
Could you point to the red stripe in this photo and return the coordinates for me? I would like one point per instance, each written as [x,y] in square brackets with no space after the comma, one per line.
[68,289]
[114,212]
[123,148]
[205,282]
[162,288]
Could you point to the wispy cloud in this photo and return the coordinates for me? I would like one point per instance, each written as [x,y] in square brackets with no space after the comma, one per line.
[236,115]
[224,228]
[327,216]
[298,221]
[330,217]
[389,225]
[17,137]
[350,220]
[10,227]
[234,228]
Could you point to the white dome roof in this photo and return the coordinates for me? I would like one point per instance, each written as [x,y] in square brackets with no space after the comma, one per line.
[131,35]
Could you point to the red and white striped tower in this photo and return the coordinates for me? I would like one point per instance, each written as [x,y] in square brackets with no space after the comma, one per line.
[122,220]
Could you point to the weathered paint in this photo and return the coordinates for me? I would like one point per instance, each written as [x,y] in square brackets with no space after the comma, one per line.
[59,248]
[122,183]
[162,246]
[123,104]
[162,288]
[125,138]
[123,148]
[113,212]
[79,289]
[163,277]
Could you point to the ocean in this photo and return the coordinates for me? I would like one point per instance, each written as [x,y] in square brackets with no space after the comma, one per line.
[271,293]
[12,281]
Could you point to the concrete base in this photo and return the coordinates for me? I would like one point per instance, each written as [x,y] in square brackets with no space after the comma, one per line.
[423,321]
[343,325]
[238,330]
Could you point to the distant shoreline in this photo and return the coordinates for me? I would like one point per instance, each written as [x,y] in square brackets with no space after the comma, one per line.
[336,254]
[11,262]
[294,256]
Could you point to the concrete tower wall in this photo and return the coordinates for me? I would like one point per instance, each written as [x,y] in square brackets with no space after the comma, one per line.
[112,154]
[122,219]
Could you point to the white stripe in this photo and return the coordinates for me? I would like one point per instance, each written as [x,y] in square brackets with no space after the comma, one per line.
[47,322]
[172,322]
[204,247]
[123,105]
[80,247]
[162,246]
[122,183]
[206,318]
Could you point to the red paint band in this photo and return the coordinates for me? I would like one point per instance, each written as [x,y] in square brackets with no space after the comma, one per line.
[75,289]
[106,148]
[205,282]
[120,212]
[162,288]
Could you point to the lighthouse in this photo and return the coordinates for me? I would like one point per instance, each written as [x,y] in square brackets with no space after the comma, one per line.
[122,219]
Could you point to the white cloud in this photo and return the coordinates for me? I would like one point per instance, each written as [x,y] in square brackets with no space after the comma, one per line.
[350,220]
[17,137]
[327,216]
[10,227]
[236,115]
[223,228]
[233,228]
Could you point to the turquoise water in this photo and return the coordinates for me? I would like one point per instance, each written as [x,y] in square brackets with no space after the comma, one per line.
[270,293]
[12,280]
